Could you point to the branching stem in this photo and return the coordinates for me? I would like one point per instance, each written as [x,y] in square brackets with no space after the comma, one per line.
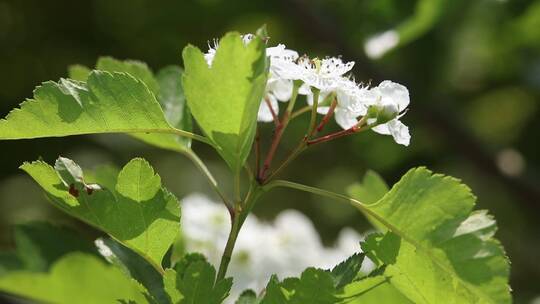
[278,133]
[241,212]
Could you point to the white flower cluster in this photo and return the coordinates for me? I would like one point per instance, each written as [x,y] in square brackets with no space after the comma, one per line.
[328,75]
[285,247]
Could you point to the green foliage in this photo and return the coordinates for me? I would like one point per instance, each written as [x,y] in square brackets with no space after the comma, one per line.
[369,191]
[247,297]
[224,98]
[106,103]
[137,69]
[76,277]
[314,286]
[435,235]
[193,280]
[173,101]
[38,245]
[432,246]
[134,266]
[101,105]
[138,211]
[372,290]
[167,89]
[345,272]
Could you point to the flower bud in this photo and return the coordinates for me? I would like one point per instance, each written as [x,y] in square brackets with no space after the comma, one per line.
[378,115]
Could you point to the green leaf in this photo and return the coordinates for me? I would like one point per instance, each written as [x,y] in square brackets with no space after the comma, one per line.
[173,101]
[346,271]
[169,283]
[38,245]
[76,277]
[9,261]
[273,293]
[369,191]
[166,87]
[135,267]
[138,212]
[438,249]
[193,281]
[372,290]
[79,72]
[314,286]
[247,297]
[381,249]
[224,98]
[135,68]
[106,103]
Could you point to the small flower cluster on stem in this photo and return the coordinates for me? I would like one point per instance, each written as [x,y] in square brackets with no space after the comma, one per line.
[329,90]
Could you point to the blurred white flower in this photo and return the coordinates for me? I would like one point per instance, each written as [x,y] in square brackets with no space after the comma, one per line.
[379,44]
[285,247]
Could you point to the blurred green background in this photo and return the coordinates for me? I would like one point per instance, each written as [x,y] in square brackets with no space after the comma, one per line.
[472,68]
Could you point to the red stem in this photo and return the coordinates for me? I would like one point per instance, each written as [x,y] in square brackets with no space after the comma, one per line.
[257,151]
[333,136]
[328,115]
[274,115]
[273,147]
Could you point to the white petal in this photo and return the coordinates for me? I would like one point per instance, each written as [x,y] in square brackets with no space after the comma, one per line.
[285,69]
[382,129]
[209,56]
[265,115]
[280,88]
[345,119]
[394,93]
[323,110]
[397,129]
[353,98]
[400,132]
[304,90]
[335,67]
[281,52]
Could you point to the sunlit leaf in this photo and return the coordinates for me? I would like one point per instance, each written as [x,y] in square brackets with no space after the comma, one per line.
[224,99]
[138,211]
[437,249]
[77,277]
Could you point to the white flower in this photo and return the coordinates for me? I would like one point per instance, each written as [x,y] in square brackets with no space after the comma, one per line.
[325,74]
[352,99]
[392,97]
[279,86]
[283,64]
